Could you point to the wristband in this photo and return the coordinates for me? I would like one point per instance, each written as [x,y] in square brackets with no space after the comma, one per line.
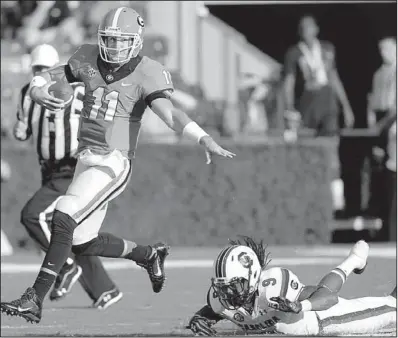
[193,131]
[306,305]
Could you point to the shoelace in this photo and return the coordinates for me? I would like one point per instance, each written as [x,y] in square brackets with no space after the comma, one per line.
[26,296]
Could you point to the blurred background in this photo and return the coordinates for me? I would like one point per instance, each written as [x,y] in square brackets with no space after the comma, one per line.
[291,183]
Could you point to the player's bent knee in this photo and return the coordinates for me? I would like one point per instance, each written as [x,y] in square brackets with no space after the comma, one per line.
[85,249]
[68,204]
[63,225]
[27,217]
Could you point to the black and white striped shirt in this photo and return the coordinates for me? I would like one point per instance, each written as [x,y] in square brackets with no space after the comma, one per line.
[54,132]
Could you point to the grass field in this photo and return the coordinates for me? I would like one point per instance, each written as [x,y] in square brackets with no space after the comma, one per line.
[143,313]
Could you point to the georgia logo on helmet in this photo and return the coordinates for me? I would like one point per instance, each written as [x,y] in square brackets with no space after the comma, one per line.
[121,23]
[237,274]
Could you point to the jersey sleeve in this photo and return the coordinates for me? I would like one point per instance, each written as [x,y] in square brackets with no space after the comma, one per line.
[76,63]
[214,303]
[156,81]
[279,282]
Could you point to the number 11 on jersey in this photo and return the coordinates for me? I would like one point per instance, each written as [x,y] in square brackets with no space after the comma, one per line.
[104,104]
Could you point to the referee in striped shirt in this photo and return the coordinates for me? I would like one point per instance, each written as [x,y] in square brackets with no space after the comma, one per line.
[55,137]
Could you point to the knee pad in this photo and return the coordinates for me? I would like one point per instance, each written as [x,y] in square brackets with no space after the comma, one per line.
[63,225]
[68,204]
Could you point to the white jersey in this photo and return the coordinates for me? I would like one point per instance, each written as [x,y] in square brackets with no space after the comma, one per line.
[372,312]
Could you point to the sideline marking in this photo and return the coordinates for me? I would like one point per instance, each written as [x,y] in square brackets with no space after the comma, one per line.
[177,264]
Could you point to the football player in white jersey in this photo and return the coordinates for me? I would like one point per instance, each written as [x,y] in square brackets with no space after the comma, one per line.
[261,300]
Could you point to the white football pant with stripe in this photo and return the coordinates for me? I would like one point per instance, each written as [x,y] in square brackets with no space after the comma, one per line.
[365,315]
[97,180]
[360,315]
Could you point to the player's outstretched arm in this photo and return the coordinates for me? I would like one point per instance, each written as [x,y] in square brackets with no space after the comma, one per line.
[202,321]
[321,299]
[40,83]
[179,121]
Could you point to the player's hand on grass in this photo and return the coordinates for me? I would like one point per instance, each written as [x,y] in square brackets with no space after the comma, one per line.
[41,96]
[201,326]
[213,148]
[286,305]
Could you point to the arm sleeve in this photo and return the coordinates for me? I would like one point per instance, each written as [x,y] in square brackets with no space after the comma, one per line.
[290,62]
[156,82]
[331,53]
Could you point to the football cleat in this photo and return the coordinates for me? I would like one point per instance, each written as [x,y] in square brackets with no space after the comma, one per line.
[68,276]
[28,307]
[107,299]
[154,265]
[361,251]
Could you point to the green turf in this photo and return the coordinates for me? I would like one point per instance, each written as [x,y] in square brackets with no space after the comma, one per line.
[142,312]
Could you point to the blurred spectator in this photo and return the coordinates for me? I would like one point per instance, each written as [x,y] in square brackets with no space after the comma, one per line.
[312,85]
[390,221]
[51,22]
[5,171]
[382,109]
[383,97]
[252,93]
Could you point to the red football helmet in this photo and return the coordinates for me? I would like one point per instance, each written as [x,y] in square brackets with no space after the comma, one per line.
[120,35]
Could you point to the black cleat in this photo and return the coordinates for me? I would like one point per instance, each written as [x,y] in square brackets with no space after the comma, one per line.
[28,307]
[359,271]
[154,265]
[107,299]
[68,276]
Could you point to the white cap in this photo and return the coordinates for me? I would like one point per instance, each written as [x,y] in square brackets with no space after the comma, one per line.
[44,55]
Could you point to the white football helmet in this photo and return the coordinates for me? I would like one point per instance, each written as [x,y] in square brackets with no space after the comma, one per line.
[237,274]
[44,55]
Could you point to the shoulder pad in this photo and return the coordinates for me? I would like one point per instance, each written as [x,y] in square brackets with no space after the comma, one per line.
[281,282]
[83,54]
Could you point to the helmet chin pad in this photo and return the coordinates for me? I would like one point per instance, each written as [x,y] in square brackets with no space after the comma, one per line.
[235,292]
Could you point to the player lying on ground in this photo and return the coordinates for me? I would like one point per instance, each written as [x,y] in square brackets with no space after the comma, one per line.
[55,137]
[262,300]
[119,85]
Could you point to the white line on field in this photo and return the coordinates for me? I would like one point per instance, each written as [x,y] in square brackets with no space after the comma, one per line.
[177,264]
[334,255]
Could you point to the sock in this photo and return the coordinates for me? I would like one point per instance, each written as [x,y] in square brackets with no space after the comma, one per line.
[57,253]
[139,253]
[348,265]
[104,245]
[334,280]
[108,245]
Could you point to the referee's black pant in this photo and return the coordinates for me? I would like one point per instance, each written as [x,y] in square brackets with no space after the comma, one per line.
[36,217]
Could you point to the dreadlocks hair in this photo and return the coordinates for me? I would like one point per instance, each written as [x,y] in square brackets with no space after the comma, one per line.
[258,248]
